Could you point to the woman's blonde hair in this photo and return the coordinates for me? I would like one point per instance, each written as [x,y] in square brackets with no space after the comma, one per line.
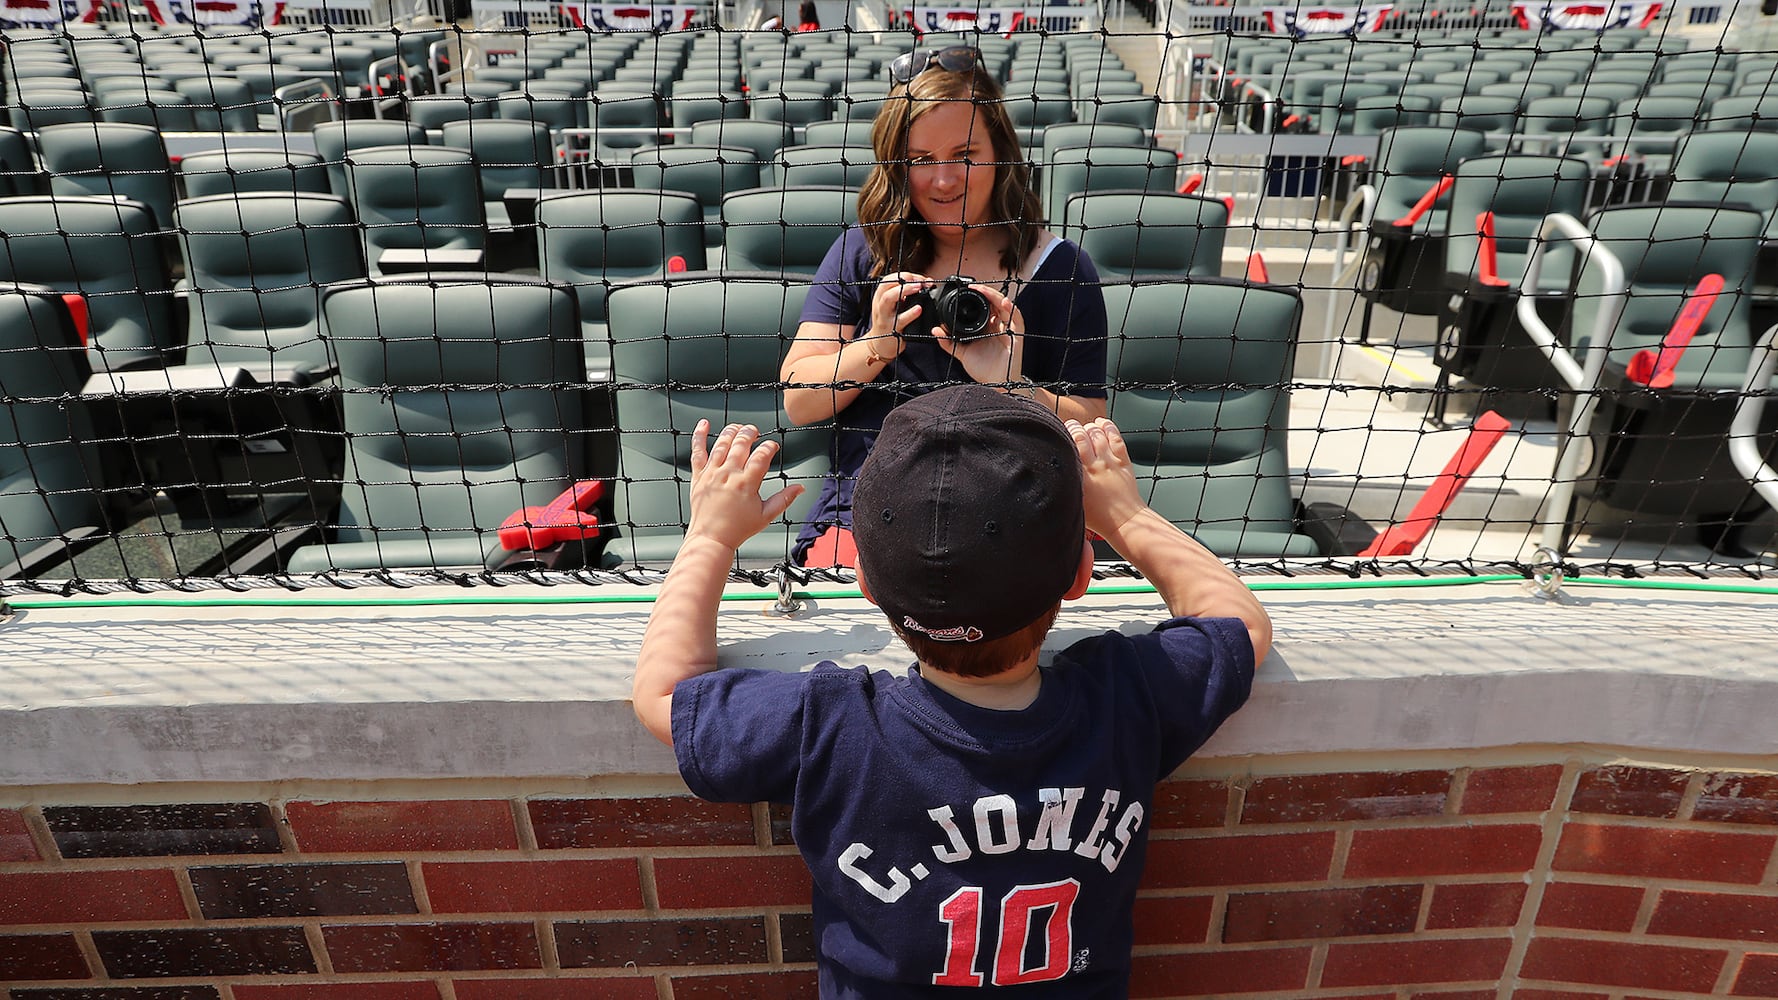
[897,240]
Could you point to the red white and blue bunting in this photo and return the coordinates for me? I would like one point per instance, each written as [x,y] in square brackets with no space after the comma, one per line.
[1301,21]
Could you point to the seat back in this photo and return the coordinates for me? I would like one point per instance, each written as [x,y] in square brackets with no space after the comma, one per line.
[49,468]
[107,250]
[764,138]
[1666,249]
[1650,125]
[257,265]
[1410,162]
[592,240]
[1727,168]
[822,166]
[247,171]
[1131,235]
[509,153]
[1520,190]
[1201,370]
[454,415]
[707,173]
[416,197]
[1105,168]
[110,159]
[702,346]
[784,230]
[20,173]
[334,139]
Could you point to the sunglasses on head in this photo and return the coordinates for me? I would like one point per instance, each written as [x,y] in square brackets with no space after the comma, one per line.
[954,59]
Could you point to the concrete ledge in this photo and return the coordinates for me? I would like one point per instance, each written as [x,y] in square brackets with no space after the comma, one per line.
[321,686]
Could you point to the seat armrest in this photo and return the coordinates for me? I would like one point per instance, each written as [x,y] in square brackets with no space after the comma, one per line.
[415,260]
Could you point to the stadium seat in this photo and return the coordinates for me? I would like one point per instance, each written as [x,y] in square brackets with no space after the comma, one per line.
[702,345]
[1481,112]
[109,251]
[1556,121]
[1202,370]
[1055,138]
[1757,112]
[434,111]
[454,416]
[20,173]
[248,171]
[1105,168]
[838,132]
[624,120]
[590,240]
[416,198]
[111,160]
[707,173]
[830,166]
[42,108]
[255,267]
[335,139]
[1657,446]
[51,488]
[1481,340]
[1142,235]
[508,154]
[784,230]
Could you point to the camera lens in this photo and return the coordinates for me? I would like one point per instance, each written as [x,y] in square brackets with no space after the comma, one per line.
[964,311]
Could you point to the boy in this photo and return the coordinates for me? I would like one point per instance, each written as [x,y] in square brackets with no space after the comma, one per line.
[981,821]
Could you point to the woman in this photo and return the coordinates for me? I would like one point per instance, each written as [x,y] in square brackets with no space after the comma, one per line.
[950,195]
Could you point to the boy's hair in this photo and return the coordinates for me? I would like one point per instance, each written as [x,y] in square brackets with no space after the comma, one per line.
[981,659]
[969,521]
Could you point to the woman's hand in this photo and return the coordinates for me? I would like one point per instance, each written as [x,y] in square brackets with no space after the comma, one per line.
[888,315]
[997,357]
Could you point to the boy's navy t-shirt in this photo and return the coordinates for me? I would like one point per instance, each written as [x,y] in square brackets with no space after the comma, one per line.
[956,845]
[1065,350]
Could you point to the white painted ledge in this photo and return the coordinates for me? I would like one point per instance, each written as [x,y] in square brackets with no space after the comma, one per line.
[184,692]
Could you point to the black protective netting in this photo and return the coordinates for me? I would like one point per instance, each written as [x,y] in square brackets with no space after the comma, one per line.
[334,293]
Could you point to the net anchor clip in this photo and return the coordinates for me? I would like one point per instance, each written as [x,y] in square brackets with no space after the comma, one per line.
[1547,572]
[787,604]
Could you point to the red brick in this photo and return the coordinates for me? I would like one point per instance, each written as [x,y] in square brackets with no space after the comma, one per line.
[1482,904]
[1173,919]
[1319,913]
[1557,995]
[1664,852]
[1635,965]
[431,947]
[1511,789]
[1448,995]
[532,886]
[1590,907]
[1310,798]
[1180,805]
[582,988]
[71,897]
[27,957]
[1238,860]
[1630,791]
[1443,960]
[15,837]
[1217,973]
[752,986]
[1720,915]
[1443,850]
[1758,976]
[690,883]
[443,825]
[1738,798]
[672,821]
[418,990]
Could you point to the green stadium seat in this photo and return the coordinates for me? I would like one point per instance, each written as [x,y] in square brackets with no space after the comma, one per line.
[111,160]
[784,230]
[1202,370]
[707,173]
[508,154]
[1106,168]
[416,198]
[831,166]
[334,140]
[248,171]
[1144,235]
[20,173]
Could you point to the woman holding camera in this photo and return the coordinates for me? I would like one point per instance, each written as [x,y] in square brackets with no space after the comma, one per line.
[950,198]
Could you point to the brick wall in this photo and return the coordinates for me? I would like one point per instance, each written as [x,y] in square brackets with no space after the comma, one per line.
[1563,881]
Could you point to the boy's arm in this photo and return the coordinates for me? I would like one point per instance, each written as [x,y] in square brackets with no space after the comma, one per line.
[680,641]
[1189,577]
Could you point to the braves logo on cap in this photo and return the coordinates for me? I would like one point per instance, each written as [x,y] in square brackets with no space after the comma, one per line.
[958,633]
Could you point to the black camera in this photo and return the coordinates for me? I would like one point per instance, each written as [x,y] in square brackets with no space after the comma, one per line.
[953,304]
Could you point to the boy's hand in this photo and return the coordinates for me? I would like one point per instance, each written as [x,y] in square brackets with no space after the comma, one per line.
[1112,496]
[725,482]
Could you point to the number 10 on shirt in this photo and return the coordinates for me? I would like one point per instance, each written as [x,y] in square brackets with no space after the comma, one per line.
[1052,903]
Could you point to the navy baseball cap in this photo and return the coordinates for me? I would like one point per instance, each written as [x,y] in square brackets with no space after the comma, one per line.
[968,514]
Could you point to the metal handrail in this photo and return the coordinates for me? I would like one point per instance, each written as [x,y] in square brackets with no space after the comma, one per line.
[1744,429]
[1364,206]
[1584,377]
